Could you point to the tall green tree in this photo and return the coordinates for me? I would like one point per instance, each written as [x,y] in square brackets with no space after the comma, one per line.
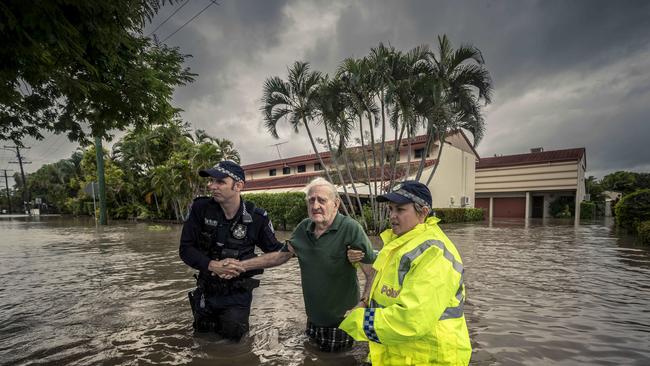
[99,73]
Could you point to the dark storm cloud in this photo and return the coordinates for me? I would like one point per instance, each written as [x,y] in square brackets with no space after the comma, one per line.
[222,36]
[566,73]
[532,48]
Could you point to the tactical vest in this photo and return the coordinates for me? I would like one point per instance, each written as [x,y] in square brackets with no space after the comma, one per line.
[221,238]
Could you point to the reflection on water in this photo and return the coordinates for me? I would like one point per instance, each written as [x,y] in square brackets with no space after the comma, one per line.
[543,293]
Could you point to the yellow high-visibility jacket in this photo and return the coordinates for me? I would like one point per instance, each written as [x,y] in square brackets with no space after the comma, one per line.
[415,313]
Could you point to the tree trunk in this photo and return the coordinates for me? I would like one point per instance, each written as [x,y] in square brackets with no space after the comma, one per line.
[426,149]
[441,140]
[371,194]
[338,171]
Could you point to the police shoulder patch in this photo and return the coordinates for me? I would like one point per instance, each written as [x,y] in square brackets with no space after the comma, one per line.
[261,211]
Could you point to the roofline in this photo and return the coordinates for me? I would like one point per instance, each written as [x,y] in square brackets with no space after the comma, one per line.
[326,155]
[562,160]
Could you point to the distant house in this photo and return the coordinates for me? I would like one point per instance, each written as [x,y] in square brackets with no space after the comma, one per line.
[524,185]
[452,185]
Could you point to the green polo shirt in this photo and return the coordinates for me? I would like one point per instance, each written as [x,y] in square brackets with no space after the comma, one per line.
[329,281]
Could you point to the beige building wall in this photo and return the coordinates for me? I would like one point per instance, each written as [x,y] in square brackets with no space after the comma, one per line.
[264,173]
[536,177]
[549,180]
[454,178]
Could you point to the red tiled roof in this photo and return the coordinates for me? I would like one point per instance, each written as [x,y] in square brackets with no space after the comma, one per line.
[532,158]
[301,180]
[295,180]
[417,142]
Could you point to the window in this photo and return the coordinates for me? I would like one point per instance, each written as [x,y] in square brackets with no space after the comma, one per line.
[272,172]
[419,152]
[286,170]
[301,168]
[318,167]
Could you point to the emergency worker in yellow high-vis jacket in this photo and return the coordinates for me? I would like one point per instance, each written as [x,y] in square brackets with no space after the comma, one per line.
[415,312]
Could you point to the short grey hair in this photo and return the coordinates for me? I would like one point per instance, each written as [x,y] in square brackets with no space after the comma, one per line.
[320,181]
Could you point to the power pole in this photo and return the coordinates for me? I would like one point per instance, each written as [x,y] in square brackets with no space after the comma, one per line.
[7,187]
[99,154]
[27,197]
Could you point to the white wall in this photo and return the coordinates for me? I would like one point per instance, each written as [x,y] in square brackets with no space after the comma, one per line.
[454,178]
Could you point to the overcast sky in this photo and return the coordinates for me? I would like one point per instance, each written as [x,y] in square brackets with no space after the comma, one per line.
[566,73]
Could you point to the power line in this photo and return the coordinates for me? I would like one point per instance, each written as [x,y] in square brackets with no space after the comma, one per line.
[169,17]
[191,19]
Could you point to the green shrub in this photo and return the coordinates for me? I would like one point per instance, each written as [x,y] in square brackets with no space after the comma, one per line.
[643,230]
[633,209]
[562,207]
[587,210]
[449,215]
[474,214]
[286,210]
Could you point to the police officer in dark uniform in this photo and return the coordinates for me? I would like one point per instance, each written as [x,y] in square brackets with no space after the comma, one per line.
[220,228]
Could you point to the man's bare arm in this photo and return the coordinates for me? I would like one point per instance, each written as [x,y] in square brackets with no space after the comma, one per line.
[369,273]
[266,260]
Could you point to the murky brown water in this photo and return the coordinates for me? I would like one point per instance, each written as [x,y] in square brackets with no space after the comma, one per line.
[543,294]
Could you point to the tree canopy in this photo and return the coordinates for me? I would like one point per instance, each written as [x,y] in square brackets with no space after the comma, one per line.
[439,92]
[83,68]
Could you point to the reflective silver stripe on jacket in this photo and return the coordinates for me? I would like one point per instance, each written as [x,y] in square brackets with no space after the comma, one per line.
[408,258]
[456,311]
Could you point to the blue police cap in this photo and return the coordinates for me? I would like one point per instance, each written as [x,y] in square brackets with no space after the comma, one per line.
[226,168]
[408,191]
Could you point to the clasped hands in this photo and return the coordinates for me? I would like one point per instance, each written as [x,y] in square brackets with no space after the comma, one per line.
[227,268]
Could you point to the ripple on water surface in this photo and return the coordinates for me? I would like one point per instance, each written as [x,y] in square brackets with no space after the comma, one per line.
[543,293]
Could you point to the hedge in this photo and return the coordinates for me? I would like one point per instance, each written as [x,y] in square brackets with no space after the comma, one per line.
[449,215]
[587,209]
[633,209]
[643,230]
[286,210]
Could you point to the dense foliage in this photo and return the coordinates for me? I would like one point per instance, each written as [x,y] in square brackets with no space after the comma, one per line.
[286,210]
[562,207]
[626,182]
[151,173]
[643,232]
[588,210]
[633,209]
[438,91]
[451,215]
[83,67]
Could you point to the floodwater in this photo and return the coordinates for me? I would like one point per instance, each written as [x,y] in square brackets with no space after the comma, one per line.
[545,293]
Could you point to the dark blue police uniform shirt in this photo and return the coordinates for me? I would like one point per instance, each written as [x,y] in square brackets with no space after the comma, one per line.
[190,253]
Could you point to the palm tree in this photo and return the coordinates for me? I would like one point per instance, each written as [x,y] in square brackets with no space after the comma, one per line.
[331,105]
[227,150]
[293,100]
[356,76]
[461,81]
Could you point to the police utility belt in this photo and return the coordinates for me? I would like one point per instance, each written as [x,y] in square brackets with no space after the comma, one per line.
[217,286]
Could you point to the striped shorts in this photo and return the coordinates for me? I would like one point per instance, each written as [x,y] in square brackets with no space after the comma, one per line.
[329,339]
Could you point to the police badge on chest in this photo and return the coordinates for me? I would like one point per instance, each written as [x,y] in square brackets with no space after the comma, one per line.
[239,231]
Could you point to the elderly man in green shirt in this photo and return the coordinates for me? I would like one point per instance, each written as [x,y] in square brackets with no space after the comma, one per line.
[329,281]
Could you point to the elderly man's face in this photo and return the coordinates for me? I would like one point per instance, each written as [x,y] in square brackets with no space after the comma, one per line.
[321,206]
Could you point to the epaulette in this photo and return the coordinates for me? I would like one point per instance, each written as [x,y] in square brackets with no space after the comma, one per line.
[260,211]
[251,207]
[197,198]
